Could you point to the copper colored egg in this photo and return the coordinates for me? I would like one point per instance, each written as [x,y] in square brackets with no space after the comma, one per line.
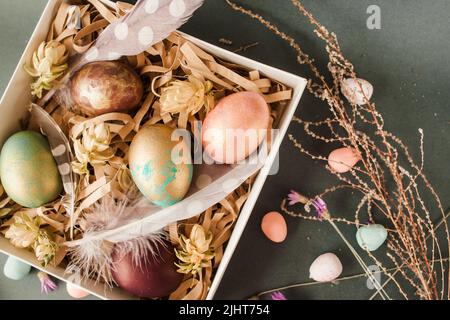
[106,86]
[153,277]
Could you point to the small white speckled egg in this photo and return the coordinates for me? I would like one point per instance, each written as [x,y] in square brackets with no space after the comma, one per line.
[327,267]
[351,89]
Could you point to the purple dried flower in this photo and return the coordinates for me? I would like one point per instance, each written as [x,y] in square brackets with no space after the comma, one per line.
[277,295]
[294,197]
[321,207]
[47,284]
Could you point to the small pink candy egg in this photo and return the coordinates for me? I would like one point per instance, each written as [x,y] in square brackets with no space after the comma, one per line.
[235,127]
[274,227]
[327,267]
[75,291]
[343,159]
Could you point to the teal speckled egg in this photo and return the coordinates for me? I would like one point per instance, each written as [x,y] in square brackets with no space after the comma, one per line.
[371,237]
[161,175]
[15,269]
[28,171]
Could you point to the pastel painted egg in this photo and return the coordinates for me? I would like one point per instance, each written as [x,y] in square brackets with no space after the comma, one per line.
[106,86]
[28,171]
[357,91]
[274,226]
[327,267]
[75,291]
[161,175]
[15,269]
[153,276]
[343,159]
[235,127]
[371,237]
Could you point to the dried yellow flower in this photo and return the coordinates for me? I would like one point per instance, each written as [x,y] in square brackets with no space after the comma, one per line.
[196,252]
[44,248]
[48,64]
[93,147]
[184,96]
[24,231]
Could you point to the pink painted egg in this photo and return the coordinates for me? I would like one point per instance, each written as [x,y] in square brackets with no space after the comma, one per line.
[343,159]
[327,267]
[274,227]
[153,276]
[75,291]
[235,127]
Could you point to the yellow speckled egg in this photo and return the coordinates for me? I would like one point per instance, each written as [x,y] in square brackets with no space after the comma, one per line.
[161,177]
[28,171]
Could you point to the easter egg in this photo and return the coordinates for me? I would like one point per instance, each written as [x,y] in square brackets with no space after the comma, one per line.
[75,291]
[235,127]
[371,237]
[357,91]
[274,226]
[327,267]
[106,86]
[153,276]
[343,159]
[15,269]
[28,171]
[161,175]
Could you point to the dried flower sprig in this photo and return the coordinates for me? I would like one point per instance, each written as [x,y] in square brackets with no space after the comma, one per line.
[93,147]
[196,252]
[186,96]
[391,187]
[26,232]
[47,284]
[277,295]
[45,248]
[48,64]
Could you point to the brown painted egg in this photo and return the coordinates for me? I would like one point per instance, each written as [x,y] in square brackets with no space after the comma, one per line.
[106,86]
[235,127]
[152,277]
[274,227]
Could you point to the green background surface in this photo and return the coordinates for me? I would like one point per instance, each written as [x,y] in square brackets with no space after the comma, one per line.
[407,61]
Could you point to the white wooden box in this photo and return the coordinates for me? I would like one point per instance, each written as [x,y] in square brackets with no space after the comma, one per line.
[17,97]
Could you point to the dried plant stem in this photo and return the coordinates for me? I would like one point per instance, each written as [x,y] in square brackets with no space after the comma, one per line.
[361,262]
[403,265]
[391,183]
[315,283]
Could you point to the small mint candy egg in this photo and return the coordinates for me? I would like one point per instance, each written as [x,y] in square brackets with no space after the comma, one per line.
[371,237]
[15,269]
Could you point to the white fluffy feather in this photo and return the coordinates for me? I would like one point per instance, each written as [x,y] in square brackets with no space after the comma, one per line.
[91,258]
